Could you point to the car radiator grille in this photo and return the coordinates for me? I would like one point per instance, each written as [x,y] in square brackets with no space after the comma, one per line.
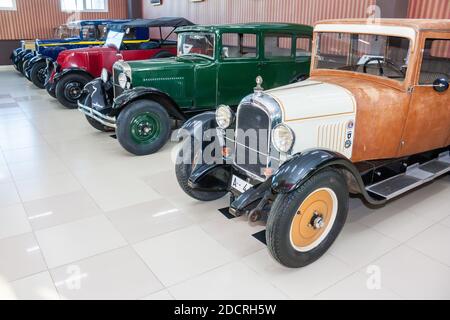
[253,140]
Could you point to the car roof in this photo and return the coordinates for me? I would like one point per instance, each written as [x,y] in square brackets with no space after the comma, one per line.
[250,27]
[94,22]
[159,22]
[416,24]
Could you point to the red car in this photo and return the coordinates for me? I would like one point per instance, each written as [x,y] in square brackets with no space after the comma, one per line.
[73,69]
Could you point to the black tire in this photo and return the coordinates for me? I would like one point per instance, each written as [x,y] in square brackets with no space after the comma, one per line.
[127,124]
[69,87]
[37,74]
[97,125]
[20,66]
[183,172]
[52,93]
[24,66]
[163,54]
[286,208]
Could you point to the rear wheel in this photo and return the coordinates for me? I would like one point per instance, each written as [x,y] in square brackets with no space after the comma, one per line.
[69,89]
[143,128]
[37,74]
[302,225]
[97,125]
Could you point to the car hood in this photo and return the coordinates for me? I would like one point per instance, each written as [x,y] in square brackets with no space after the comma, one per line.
[85,52]
[167,64]
[311,99]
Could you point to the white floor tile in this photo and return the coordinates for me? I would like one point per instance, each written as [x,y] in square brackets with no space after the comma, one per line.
[233,281]
[74,241]
[37,170]
[20,257]
[38,154]
[148,220]
[358,245]
[355,287]
[5,175]
[303,283]
[160,296]
[8,195]
[118,274]
[36,287]
[13,222]
[434,242]
[53,211]
[49,186]
[412,275]
[181,255]
[446,222]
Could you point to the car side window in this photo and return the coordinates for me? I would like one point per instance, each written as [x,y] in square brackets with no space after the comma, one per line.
[239,45]
[436,61]
[89,32]
[303,46]
[102,31]
[277,45]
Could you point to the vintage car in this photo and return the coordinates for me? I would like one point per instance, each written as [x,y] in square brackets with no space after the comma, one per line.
[85,33]
[74,68]
[215,65]
[373,120]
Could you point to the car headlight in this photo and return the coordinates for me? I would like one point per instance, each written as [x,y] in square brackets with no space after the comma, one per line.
[123,80]
[105,75]
[283,138]
[224,117]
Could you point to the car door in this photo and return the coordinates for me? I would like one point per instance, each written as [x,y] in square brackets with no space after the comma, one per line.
[428,124]
[238,67]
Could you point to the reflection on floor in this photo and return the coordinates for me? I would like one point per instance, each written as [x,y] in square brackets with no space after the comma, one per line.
[82,219]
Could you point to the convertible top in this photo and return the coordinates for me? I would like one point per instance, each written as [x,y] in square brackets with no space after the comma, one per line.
[153,23]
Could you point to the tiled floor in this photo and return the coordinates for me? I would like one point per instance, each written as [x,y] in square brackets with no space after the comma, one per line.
[82,219]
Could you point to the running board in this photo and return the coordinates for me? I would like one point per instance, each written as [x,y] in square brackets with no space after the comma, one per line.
[415,176]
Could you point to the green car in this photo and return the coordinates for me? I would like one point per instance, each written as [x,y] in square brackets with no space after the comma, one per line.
[215,65]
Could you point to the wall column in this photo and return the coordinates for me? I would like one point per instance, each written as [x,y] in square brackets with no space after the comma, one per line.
[134,9]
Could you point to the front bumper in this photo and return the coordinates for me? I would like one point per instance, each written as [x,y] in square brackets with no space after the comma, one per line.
[94,103]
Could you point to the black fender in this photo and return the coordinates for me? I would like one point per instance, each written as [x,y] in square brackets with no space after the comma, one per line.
[33,61]
[148,93]
[196,126]
[302,166]
[65,72]
[28,56]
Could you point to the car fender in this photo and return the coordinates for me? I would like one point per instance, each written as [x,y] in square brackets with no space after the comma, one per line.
[302,166]
[138,93]
[196,126]
[65,72]
[28,56]
[33,61]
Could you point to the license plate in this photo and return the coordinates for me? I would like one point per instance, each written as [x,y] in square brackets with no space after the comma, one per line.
[240,185]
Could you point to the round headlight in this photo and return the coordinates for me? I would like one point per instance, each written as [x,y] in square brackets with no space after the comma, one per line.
[224,117]
[105,75]
[123,80]
[283,138]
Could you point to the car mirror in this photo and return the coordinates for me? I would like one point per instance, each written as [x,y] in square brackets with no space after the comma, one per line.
[441,85]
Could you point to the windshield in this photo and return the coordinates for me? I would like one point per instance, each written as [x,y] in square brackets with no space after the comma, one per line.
[384,56]
[196,44]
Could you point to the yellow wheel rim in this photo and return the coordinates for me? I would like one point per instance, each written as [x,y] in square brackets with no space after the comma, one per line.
[314,219]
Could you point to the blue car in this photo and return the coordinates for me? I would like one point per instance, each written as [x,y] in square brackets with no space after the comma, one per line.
[78,34]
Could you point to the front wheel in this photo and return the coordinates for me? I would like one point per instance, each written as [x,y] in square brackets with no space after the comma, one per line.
[69,89]
[37,74]
[143,128]
[302,225]
[183,170]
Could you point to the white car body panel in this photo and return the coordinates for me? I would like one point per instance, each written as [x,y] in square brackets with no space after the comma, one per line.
[322,115]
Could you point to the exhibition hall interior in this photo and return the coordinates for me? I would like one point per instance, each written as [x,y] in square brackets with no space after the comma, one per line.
[225,150]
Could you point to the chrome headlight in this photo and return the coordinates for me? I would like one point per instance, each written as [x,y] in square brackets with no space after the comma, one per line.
[283,138]
[224,117]
[123,80]
[105,75]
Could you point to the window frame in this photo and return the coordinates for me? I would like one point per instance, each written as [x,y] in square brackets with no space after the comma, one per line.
[280,35]
[240,39]
[84,7]
[311,46]
[13,8]
[422,57]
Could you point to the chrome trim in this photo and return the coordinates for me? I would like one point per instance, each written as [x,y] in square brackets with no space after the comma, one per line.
[293,138]
[273,111]
[94,114]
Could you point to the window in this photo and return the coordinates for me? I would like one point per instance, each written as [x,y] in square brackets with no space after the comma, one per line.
[8,5]
[84,5]
[303,47]
[277,46]
[436,61]
[384,56]
[238,45]
[196,43]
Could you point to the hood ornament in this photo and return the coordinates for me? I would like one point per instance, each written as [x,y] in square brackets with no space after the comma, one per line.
[259,89]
